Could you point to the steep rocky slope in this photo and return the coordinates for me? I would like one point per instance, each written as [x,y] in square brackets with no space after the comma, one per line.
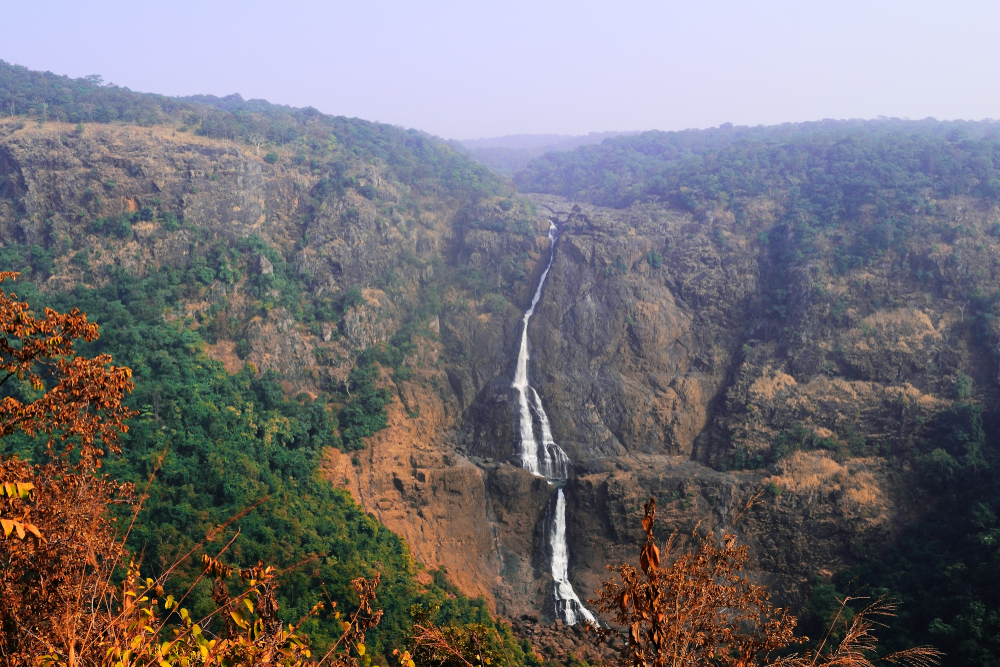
[656,353]
[665,360]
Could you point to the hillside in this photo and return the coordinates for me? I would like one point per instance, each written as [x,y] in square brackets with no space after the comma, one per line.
[328,311]
[838,286]
[191,251]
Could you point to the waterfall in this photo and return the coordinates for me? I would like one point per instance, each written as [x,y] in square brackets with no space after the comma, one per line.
[568,605]
[543,457]
[540,457]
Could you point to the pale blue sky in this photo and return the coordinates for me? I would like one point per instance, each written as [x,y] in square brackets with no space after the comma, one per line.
[474,69]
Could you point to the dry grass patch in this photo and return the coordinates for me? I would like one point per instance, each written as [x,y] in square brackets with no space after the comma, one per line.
[857,492]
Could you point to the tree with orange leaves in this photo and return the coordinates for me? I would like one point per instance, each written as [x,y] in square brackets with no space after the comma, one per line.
[82,404]
[55,531]
[693,608]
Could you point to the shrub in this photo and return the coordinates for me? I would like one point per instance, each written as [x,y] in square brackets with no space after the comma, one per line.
[696,607]
[353,297]
[495,303]
[170,221]
[119,226]
[80,259]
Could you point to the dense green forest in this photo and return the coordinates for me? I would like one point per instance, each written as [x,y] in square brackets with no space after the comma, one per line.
[824,174]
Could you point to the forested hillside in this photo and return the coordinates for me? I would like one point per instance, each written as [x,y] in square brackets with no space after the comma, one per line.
[506,155]
[413,156]
[127,229]
[857,223]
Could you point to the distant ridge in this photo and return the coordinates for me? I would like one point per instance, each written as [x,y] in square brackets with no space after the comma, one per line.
[549,141]
[513,152]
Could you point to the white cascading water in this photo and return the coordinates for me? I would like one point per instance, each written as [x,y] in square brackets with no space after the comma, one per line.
[543,457]
[568,605]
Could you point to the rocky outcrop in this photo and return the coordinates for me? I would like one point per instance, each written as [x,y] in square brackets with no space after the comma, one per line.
[411,481]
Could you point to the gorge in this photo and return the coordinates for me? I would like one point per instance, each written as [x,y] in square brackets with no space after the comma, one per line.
[364,325]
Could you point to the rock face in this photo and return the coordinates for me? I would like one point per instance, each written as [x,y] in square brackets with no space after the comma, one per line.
[656,351]
[662,354]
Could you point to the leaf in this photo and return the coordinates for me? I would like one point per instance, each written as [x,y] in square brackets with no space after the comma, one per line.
[238,618]
[644,559]
[20,529]
[361,649]
[248,604]
[8,526]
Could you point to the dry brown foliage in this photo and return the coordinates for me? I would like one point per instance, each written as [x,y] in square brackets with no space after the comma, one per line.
[697,608]
[859,647]
[471,645]
[58,560]
[48,580]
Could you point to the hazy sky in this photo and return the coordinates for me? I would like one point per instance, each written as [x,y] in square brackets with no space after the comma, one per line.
[477,69]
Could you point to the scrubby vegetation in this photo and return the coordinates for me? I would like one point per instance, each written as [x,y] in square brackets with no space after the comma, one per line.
[944,571]
[415,158]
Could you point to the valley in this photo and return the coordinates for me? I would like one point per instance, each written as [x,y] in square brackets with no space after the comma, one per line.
[490,377]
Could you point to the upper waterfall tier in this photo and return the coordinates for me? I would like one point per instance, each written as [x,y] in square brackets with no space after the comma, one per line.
[539,455]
